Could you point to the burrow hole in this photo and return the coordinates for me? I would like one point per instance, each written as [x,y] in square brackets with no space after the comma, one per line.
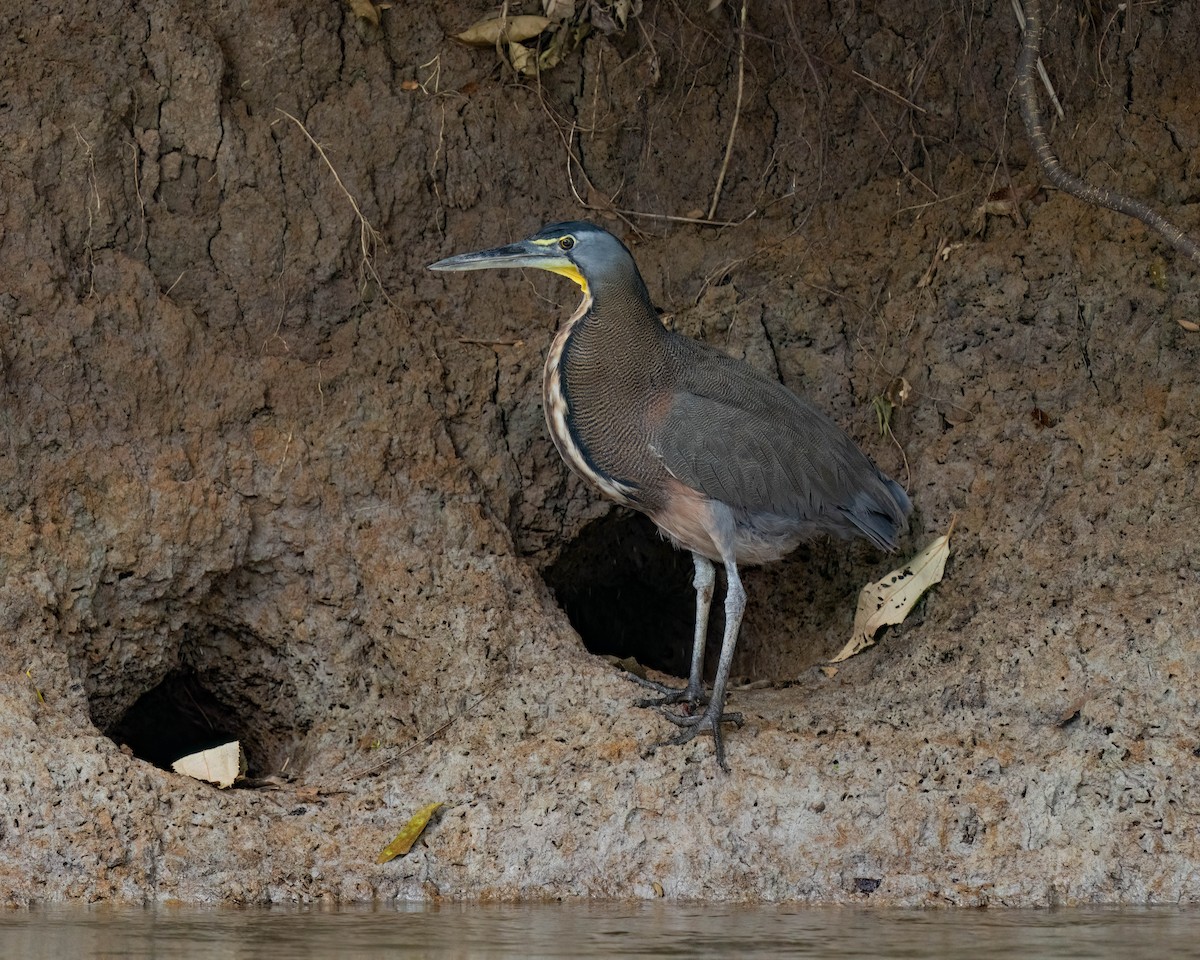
[178,717]
[193,708]
[628,592]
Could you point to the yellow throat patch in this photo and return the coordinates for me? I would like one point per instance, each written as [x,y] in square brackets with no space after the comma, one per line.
[571,272]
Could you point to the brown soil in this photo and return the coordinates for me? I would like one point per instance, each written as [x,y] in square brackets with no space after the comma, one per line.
[259,483]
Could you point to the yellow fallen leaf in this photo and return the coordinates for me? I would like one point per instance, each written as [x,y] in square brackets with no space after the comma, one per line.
[486,33]
[221,765]
[29,674]
[408,836]
[889,600]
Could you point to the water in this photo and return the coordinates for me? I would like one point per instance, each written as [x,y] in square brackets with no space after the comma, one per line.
[594,930]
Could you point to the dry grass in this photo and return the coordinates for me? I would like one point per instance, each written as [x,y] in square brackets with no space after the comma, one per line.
[369,239]
[94,207]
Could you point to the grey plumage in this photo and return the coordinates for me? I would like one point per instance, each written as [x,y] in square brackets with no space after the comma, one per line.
[751,443]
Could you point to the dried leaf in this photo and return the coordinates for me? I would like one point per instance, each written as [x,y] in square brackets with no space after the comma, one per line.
[365,9]
[628,664]
[221,765]
[1158,273]
[559,9]
[552,55]
[883,414]
[523,59]
[1041,418]
[624,9]
[889,600]
[1071,714]
[408,836]
[486,33]
[898,391]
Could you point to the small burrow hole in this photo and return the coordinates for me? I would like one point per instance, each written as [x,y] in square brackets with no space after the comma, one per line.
[181,716]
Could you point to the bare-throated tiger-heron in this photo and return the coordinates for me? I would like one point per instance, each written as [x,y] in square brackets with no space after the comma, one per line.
[727,462]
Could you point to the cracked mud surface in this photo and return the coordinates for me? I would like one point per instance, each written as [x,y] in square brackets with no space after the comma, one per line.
[242,488]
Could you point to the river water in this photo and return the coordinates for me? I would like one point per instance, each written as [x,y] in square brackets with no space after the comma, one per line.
[582,930]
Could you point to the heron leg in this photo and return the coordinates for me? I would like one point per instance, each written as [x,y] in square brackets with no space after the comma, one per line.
[714,714]
[703,580]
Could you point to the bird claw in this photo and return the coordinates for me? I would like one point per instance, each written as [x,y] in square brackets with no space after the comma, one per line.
[708,721]
[704,722]
[669,695]
[701,722]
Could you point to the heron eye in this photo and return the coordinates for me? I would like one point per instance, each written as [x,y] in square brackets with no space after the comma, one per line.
[566,243]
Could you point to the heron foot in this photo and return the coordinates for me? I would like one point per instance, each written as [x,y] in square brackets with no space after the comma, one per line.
[707,722]
[669,695]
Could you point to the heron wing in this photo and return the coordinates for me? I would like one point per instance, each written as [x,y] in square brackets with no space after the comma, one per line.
[749,442]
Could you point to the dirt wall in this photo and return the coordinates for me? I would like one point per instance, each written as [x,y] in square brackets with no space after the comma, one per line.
[263,475]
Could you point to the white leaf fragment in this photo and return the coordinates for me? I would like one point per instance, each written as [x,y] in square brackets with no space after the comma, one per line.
[889,600]
[220,765]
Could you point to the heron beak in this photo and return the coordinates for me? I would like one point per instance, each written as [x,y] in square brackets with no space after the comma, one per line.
[524,253]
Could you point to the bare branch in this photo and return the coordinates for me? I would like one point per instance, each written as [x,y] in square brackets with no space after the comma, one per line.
[1053,170]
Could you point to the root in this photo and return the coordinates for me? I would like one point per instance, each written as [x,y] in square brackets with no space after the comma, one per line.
[91,214]
[1053,170]
[137,189]
[737,111]
[369,239]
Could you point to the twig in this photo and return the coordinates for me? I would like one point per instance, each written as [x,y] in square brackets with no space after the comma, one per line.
[737,110]
[1053,170]
[434,78]
[895,153]
[428,738]
[568,141]
[821,90]
[480,342]
[368,237]
[701,221]
[927,276]
[889,91]
[283,460]
[623,212]
[435,74]
[137,189]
